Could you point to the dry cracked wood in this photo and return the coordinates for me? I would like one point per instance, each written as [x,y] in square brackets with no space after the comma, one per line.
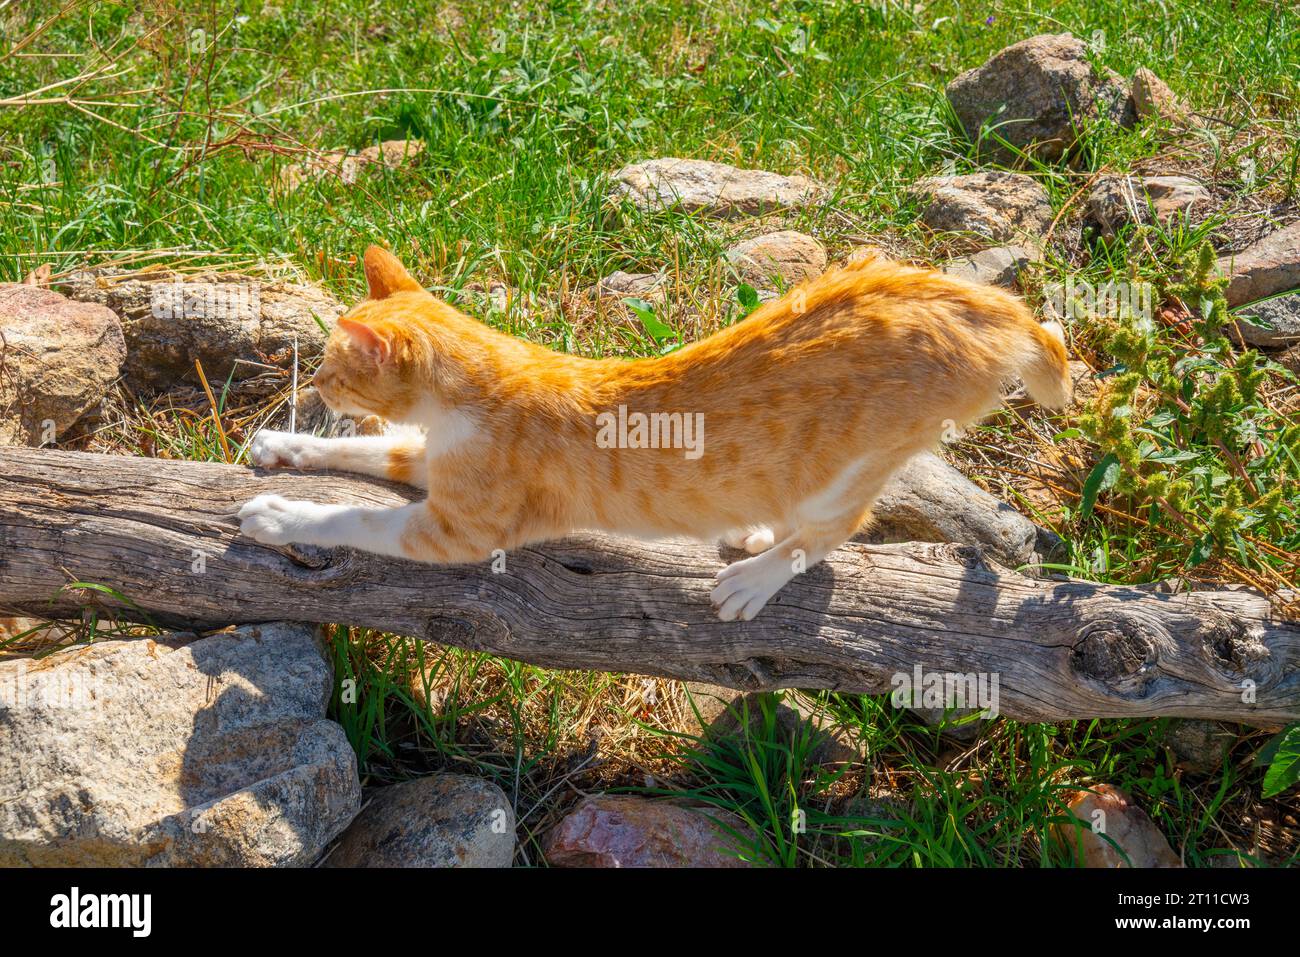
[1059,649]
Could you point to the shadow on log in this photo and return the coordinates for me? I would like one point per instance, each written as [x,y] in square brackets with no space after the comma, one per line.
[164,535]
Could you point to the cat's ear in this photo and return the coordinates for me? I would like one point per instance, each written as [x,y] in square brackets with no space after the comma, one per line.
[372,342]
[386,275]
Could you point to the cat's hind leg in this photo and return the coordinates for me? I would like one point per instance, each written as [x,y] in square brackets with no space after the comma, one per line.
[753,538]
[399,456]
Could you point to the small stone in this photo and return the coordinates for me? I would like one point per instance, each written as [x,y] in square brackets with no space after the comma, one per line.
[999,266]
[174,752]
[712,188]
[1198,746]
[1112,812]
[723,709]
[1290,359]
[1153,99]
[627,831]
[442,820]
[788,256]
[235,325]
[1037,94]
[1264,269]
[648,286]
[1277,321]
[995,205]
[1117,201]
[493,295]
[58,358]
[346,165]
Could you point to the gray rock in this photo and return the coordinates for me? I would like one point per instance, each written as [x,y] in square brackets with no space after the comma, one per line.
[999,266]
[1277,322]
[722,711]
[1198,746]
[788,256]
[1117,201]
[57,357]
[1152,98]
[1037,93]
[442,820]
[649,286]
[930,501]
[232,324]
[159,752]
[712,188]
[1265,268]
[997,206]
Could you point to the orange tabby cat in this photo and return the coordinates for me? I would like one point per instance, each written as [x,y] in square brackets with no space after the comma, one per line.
[776,433]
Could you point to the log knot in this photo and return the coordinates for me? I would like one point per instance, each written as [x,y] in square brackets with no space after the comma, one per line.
[1233,649]
[1120,651]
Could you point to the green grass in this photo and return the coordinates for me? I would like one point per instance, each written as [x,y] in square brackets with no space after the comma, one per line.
[167,153]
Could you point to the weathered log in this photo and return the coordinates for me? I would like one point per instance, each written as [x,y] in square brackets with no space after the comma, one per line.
[164,535]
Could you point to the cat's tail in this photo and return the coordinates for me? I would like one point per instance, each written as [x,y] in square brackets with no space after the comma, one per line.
[1045,368]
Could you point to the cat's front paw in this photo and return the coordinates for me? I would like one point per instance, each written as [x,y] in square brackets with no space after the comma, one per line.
[274,520]
[285,450]
[746,586]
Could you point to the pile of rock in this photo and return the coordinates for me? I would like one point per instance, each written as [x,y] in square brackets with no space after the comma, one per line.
[214,751]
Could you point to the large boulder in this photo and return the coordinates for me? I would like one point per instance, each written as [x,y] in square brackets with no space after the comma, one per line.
[787,256]
[712,188]
[1266,268]
[1037,94]
[232,324]
[57,359]
[442,820]
[174,752]
[994,206]
[626,831]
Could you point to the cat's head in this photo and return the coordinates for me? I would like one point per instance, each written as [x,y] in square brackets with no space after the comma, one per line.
[375,360]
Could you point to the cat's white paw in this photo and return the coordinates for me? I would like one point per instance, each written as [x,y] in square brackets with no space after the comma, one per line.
[746,586]
[270,449]
[274,520]
[752,538]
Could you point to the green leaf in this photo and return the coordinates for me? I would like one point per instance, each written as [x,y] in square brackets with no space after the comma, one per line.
[1201,551]
[1282,754]
[658,330]
[747,296]
[1103,475]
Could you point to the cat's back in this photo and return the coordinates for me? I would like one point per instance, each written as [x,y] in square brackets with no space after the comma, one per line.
[873,308]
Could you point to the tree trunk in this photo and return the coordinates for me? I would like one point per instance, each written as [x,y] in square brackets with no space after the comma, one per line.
[163,534]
